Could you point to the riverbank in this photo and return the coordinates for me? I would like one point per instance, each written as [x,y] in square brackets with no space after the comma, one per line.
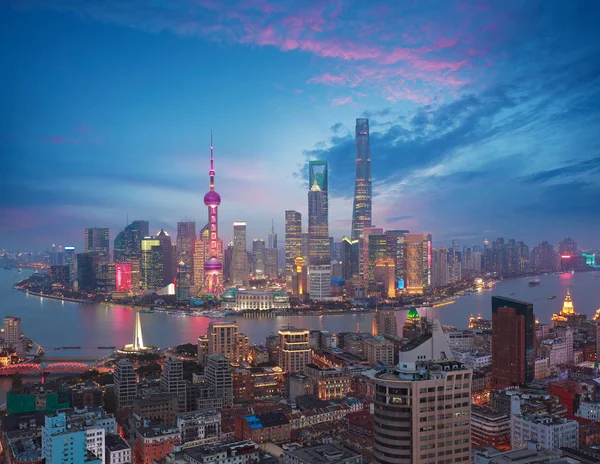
[56,297]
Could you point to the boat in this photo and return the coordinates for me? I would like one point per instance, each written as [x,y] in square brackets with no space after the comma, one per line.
[71,347]
[551,297]
[146,311]
[106,347]
[512,293]
[534,282]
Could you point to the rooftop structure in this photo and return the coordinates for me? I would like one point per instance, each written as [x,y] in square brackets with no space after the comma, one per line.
[328,453]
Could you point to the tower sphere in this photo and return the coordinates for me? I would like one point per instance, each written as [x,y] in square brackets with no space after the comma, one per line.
[212,199]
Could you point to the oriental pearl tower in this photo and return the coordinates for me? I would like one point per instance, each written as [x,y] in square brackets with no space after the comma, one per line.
[212,266]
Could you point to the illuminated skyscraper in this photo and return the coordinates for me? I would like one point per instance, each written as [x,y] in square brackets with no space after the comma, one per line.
[183,283]
[96,240]
[239,261]
[168,258]
[186,244]
[361,211]
[152,263]
[293,240]
[213,268]
[349,258]
[258,255]
[128,242]
[318,215]
[418,262]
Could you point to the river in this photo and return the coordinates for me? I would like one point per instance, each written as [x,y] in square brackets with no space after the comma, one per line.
[54,323]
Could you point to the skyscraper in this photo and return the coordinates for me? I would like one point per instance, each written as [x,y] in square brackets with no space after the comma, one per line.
[361,210]
[397,250]
[272,243]
[168,258]
[294,349]
[223,339]
[186,244]
[128,242]
[258,257]
[513,340]
[218,375]
[213,267]
[87,264]
[183,279]
[152,263]
[318,215]
[441,265]
[13,332]
[125,383]
[227,258]
[293,241]
[97,240]
[239,261]
[349,258]
[418,262]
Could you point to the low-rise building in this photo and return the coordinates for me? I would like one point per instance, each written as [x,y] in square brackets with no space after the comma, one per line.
[160,408]
[460,340]
[532,453]
[256,383]
[542,368]
[490,427]
[199,428]
[233,452]
[477,360]
[329,383]
[379,351]
[322,454]
[262,428]
[154,443]
[552,433]
[589,410]
[117,450]
[86,396]
[360,423]
[531,401]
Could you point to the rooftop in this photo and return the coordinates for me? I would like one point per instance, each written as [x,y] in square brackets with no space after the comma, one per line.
[156,431]
[330,453]
[232,448]
[116,443]
[29,449]
[270,419]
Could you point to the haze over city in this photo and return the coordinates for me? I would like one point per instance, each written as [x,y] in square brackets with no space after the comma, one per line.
[482,115]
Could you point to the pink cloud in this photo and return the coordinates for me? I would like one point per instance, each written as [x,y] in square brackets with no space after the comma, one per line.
[341,101]
[327,79]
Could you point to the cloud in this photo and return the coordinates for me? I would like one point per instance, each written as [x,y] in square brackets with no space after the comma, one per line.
[341,101]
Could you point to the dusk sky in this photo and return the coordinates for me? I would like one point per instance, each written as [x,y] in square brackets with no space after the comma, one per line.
[485,116]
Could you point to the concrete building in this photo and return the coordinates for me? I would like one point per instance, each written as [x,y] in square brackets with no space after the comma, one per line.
[320,282]
[552,433]
[12,333]
[125,382]
[218,375]
[254,300]
[152,444]
[262,428]
[96,425]
[542,368]
[589,410]
[490,427]
[294,349]
[59,439]
[239,261]
[117,450]
[329,383]
[477,360]
[460,340]
[385,324]
[322,454]
[161,408]
[232,452]
[379,351]
[199,428]
[223,339]
[171,380]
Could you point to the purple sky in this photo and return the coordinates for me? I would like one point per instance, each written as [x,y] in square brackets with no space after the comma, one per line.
[484,115]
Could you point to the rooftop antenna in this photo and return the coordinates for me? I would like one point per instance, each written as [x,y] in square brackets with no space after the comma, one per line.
[272,225]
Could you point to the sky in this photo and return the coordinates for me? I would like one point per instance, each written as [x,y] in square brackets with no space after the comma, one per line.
[484,115]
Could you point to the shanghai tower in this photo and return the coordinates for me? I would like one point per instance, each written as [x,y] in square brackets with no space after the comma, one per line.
[361,211]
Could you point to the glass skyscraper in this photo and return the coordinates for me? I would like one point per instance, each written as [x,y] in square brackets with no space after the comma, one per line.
[361,211]
[318,215]
[96,240]
[293,241]
[239,260]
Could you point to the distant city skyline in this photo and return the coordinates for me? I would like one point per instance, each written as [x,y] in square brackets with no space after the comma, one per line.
[481,116]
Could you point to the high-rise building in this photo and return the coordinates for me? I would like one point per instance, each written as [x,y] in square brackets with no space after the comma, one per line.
[293,241]
[171,380]
[258,257]
[385,323]
[396,250]
[294,349]
[227,259]
[440,267]
[319,282]
[318,215]
[125,383]
[183,283]
[305,246]
[152,264]
[123,281]
[299,277]
[416,421]
[13,332]
[60,275]
[239,261]
[213,266]
[97,240]
[168,258]
[376,248]
[417,259]
[87,264]
[128,242]
[223,339]
[271,262]
[185,245]
[219,376]
[272,243]
[513,339]
[349,258]
[361,210]
[70,260]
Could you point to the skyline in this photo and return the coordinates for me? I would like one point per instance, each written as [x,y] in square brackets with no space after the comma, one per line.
[481,116]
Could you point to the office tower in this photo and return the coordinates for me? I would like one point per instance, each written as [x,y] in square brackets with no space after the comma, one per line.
[455,262]
[13,332]
[293,241]
[568,247]
[299,277]
[513,334]
[294,349]
[152,264]
[123,279]
[128,242]
[125,384]
[271,262]
[318,215]
[105,277]
[227,259]
[183,283]
[305,246]
[87,264]
[70,259]
[171,380]
[218,375]
[384,323]
[272,243]
[213,266]
[97,240]
[349,258]
[319,282]
[223,339]
[418,262]
[239,261]
[62,443]
[258,257]
[376,250]
[416,420]
[441,264]
[186,245]
[396,250]
[361,209]
[168,258]
[56,256]
[60,275]
[363,259]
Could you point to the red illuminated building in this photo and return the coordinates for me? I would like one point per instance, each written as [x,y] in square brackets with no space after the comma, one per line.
[123,277]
